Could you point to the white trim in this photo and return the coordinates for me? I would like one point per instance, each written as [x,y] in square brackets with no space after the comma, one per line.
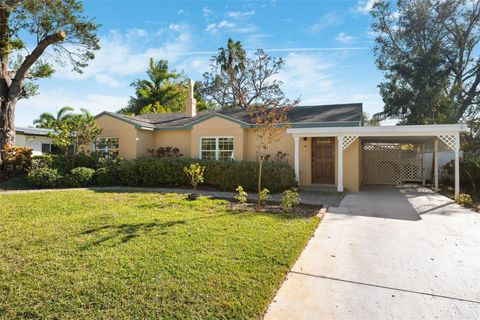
[217,150]
[435,166]
[340,140]
[385,131]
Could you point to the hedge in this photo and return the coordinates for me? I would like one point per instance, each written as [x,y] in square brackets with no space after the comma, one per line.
[224,175]
[168,171]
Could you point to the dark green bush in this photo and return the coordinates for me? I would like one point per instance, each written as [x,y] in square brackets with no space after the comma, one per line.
[107,176]
[225,175]
[43,161]
[44,178]
[79,177]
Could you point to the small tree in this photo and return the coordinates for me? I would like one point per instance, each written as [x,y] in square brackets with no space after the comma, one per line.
[195,173]
[269,121]
[79,130]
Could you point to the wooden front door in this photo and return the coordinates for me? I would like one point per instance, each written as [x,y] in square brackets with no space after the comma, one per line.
[323,160]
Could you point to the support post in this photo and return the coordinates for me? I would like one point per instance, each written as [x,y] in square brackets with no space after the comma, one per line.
[457,165]
[297,159]
[435,166]
[340,163]
[423,164]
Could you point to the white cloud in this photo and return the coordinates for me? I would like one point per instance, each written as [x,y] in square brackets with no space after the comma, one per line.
[330,19]
[52,100]
[207,12]
[309,75]
[180,12]
[136,32]
[212,27]
[364,6]
[344,38]
[226,24]
[107,80]
[121,55]
[240,14]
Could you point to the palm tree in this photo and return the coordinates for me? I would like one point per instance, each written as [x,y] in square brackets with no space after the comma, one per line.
[162,92]
[232,60]
[50,121]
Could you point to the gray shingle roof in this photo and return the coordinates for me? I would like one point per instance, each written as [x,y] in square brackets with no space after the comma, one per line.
[302,115]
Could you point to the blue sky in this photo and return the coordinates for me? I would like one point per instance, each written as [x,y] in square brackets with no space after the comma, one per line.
[326,46]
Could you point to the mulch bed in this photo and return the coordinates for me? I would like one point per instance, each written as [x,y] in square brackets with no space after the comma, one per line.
[301,210]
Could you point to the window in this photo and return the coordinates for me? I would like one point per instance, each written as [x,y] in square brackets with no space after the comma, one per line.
[106,146]
[216,148]
[46,148]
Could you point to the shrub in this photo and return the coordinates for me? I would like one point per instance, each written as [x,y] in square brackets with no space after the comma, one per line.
[264,195]
[17,160]
[44,178]
[242,195]
[107,176]
[224,175]
[289,200]
[163,152]
[195,173]
[464,200]
[44,161]
[79,177]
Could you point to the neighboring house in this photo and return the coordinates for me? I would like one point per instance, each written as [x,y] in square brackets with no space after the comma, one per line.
[325,144]
[34,138]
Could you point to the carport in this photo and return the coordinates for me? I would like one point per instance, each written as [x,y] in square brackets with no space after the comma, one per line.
[388,154]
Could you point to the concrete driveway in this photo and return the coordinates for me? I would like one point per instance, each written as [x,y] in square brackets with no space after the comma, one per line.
[387,253]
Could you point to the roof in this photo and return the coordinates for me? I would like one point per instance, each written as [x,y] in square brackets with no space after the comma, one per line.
[301,116]
[33,131]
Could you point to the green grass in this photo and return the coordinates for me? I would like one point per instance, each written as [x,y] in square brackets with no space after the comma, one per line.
[89,254]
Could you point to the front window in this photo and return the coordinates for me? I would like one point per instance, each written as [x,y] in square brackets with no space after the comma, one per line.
[216,148]
[46,148]
[107,147]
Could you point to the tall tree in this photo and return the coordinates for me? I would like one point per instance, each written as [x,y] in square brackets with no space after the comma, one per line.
[58,25]
[164,91]
[237,82]
[428,51]
[50,121]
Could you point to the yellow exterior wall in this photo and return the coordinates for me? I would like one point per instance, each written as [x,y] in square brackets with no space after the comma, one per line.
[125,132]
[285,145]
[215,127]
[351,167]
[145,141]
[176,138]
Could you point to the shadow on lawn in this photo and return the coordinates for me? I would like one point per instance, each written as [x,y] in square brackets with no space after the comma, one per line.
[127,232]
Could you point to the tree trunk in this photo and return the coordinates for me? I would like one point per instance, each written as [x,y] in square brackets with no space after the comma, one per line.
[7,123]
[259,181]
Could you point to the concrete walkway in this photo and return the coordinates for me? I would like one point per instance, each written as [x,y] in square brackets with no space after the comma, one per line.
[387,253]
[315,198]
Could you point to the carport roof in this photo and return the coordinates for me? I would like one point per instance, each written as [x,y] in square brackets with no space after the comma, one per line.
[385,133]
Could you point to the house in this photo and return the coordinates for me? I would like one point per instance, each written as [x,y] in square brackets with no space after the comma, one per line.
[325,144]
[34,138]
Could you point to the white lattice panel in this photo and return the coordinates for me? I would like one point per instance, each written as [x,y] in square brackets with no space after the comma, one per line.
[389,164]
[348,140]
[451,140]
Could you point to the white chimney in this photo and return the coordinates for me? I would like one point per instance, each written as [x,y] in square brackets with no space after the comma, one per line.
[191,108]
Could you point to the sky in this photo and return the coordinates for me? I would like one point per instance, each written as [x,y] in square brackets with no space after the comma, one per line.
[326,45]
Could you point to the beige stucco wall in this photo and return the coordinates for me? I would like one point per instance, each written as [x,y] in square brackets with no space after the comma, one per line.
[285,145]
[215,127]
[176,138]
[351,167]
[125,132]
[145,141]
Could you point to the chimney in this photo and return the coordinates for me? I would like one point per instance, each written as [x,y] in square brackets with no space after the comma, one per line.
[191,108]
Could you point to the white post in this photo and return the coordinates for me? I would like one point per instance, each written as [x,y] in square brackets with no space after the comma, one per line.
[340,163]
[297,158]
[423,164]
[457,165]
[435,166]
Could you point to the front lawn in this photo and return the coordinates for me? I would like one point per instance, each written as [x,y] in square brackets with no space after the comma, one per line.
[86,254]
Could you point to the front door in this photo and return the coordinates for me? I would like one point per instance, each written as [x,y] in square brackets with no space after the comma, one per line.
[323,160]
